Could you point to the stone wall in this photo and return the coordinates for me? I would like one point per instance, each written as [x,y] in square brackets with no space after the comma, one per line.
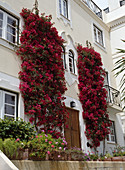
[68,165]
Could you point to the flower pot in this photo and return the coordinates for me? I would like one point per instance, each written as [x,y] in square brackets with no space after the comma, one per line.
[123,158]
[75,156]
[58,156]
[32,156]
[21,154]
[107,159]
[118,158]
[36,158]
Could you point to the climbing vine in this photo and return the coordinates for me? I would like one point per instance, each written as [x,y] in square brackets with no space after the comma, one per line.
[93,95]
[42,82]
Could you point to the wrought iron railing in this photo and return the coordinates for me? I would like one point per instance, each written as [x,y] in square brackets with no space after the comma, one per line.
[113,95]
[106,10]
[93,7]
[122,2]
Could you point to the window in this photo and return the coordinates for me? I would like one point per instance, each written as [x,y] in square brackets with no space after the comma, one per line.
[63,8]
[111,137]
[8,27]
[98,35]
[71,62]
[8,104]
[122,2]
[106,79]
[63,57]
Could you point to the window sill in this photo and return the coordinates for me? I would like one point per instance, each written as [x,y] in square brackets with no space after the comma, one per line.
[74,74]
[8,44]
[65,17]
[100,46]
[112,143]
[65,20]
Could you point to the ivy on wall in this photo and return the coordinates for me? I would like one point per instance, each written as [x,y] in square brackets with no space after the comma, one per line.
[42,74]
[93,95]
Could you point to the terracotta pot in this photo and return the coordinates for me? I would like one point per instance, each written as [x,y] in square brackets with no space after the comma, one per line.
[123,158]
[34,158]
[107,159]
[58,156]
[21,154]
[75,156]
[119,158]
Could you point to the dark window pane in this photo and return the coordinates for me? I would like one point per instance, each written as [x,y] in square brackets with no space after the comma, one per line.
[60,7]
[9,99]
[1,15]
[10,110]
[11,30]
[113,138]
[11,38]
[1,24]
[0,32]
[8,117]
[11,21]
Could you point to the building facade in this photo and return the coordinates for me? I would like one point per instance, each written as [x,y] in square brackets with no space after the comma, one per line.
[115,19]
[76,21]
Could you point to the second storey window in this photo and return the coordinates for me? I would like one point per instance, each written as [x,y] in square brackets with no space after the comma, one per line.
[8,27]
[122,2]
[111,137]
[71,62]
[63,57]
[98,35]
[63,7]
[8,104]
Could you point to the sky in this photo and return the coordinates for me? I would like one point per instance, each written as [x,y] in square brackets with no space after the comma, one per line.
[101,3]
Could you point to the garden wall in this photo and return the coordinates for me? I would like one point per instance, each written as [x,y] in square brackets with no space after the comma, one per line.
[68,165]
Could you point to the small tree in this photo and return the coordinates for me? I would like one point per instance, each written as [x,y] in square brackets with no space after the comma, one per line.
[120,68]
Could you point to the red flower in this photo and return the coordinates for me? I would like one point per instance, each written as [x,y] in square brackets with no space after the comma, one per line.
[42,74]
[92,95]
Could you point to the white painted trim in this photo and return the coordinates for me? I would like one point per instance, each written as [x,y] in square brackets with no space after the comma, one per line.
[81,121]
[5,163]
[93,22]
[11,11]
[11,83]
[63,18]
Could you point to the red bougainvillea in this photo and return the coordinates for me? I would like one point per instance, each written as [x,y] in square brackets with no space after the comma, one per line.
[93,95]
[42,73]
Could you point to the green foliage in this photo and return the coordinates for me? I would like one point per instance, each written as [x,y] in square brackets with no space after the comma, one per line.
[42,144]
[1,145]
[10,128]
[94,157]
[10,147]
[108,155]
[119,151]
[120,68]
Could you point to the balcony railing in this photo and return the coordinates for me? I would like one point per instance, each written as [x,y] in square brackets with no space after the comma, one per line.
[106,10]
[93,7]
[113,95]
[122,2]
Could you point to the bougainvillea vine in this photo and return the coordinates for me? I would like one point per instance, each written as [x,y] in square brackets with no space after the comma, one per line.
[93,95]
[42,73]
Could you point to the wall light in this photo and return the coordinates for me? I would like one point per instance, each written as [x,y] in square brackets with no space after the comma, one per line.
[72,104]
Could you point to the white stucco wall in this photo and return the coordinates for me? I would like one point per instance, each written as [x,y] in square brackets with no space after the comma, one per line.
[77,30]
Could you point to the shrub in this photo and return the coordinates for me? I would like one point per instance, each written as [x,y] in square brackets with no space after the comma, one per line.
[1,145]
[16,129]
[44,143]
[119,151]
[10,148]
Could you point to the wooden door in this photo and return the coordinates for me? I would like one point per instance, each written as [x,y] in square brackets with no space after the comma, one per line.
[72,133]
